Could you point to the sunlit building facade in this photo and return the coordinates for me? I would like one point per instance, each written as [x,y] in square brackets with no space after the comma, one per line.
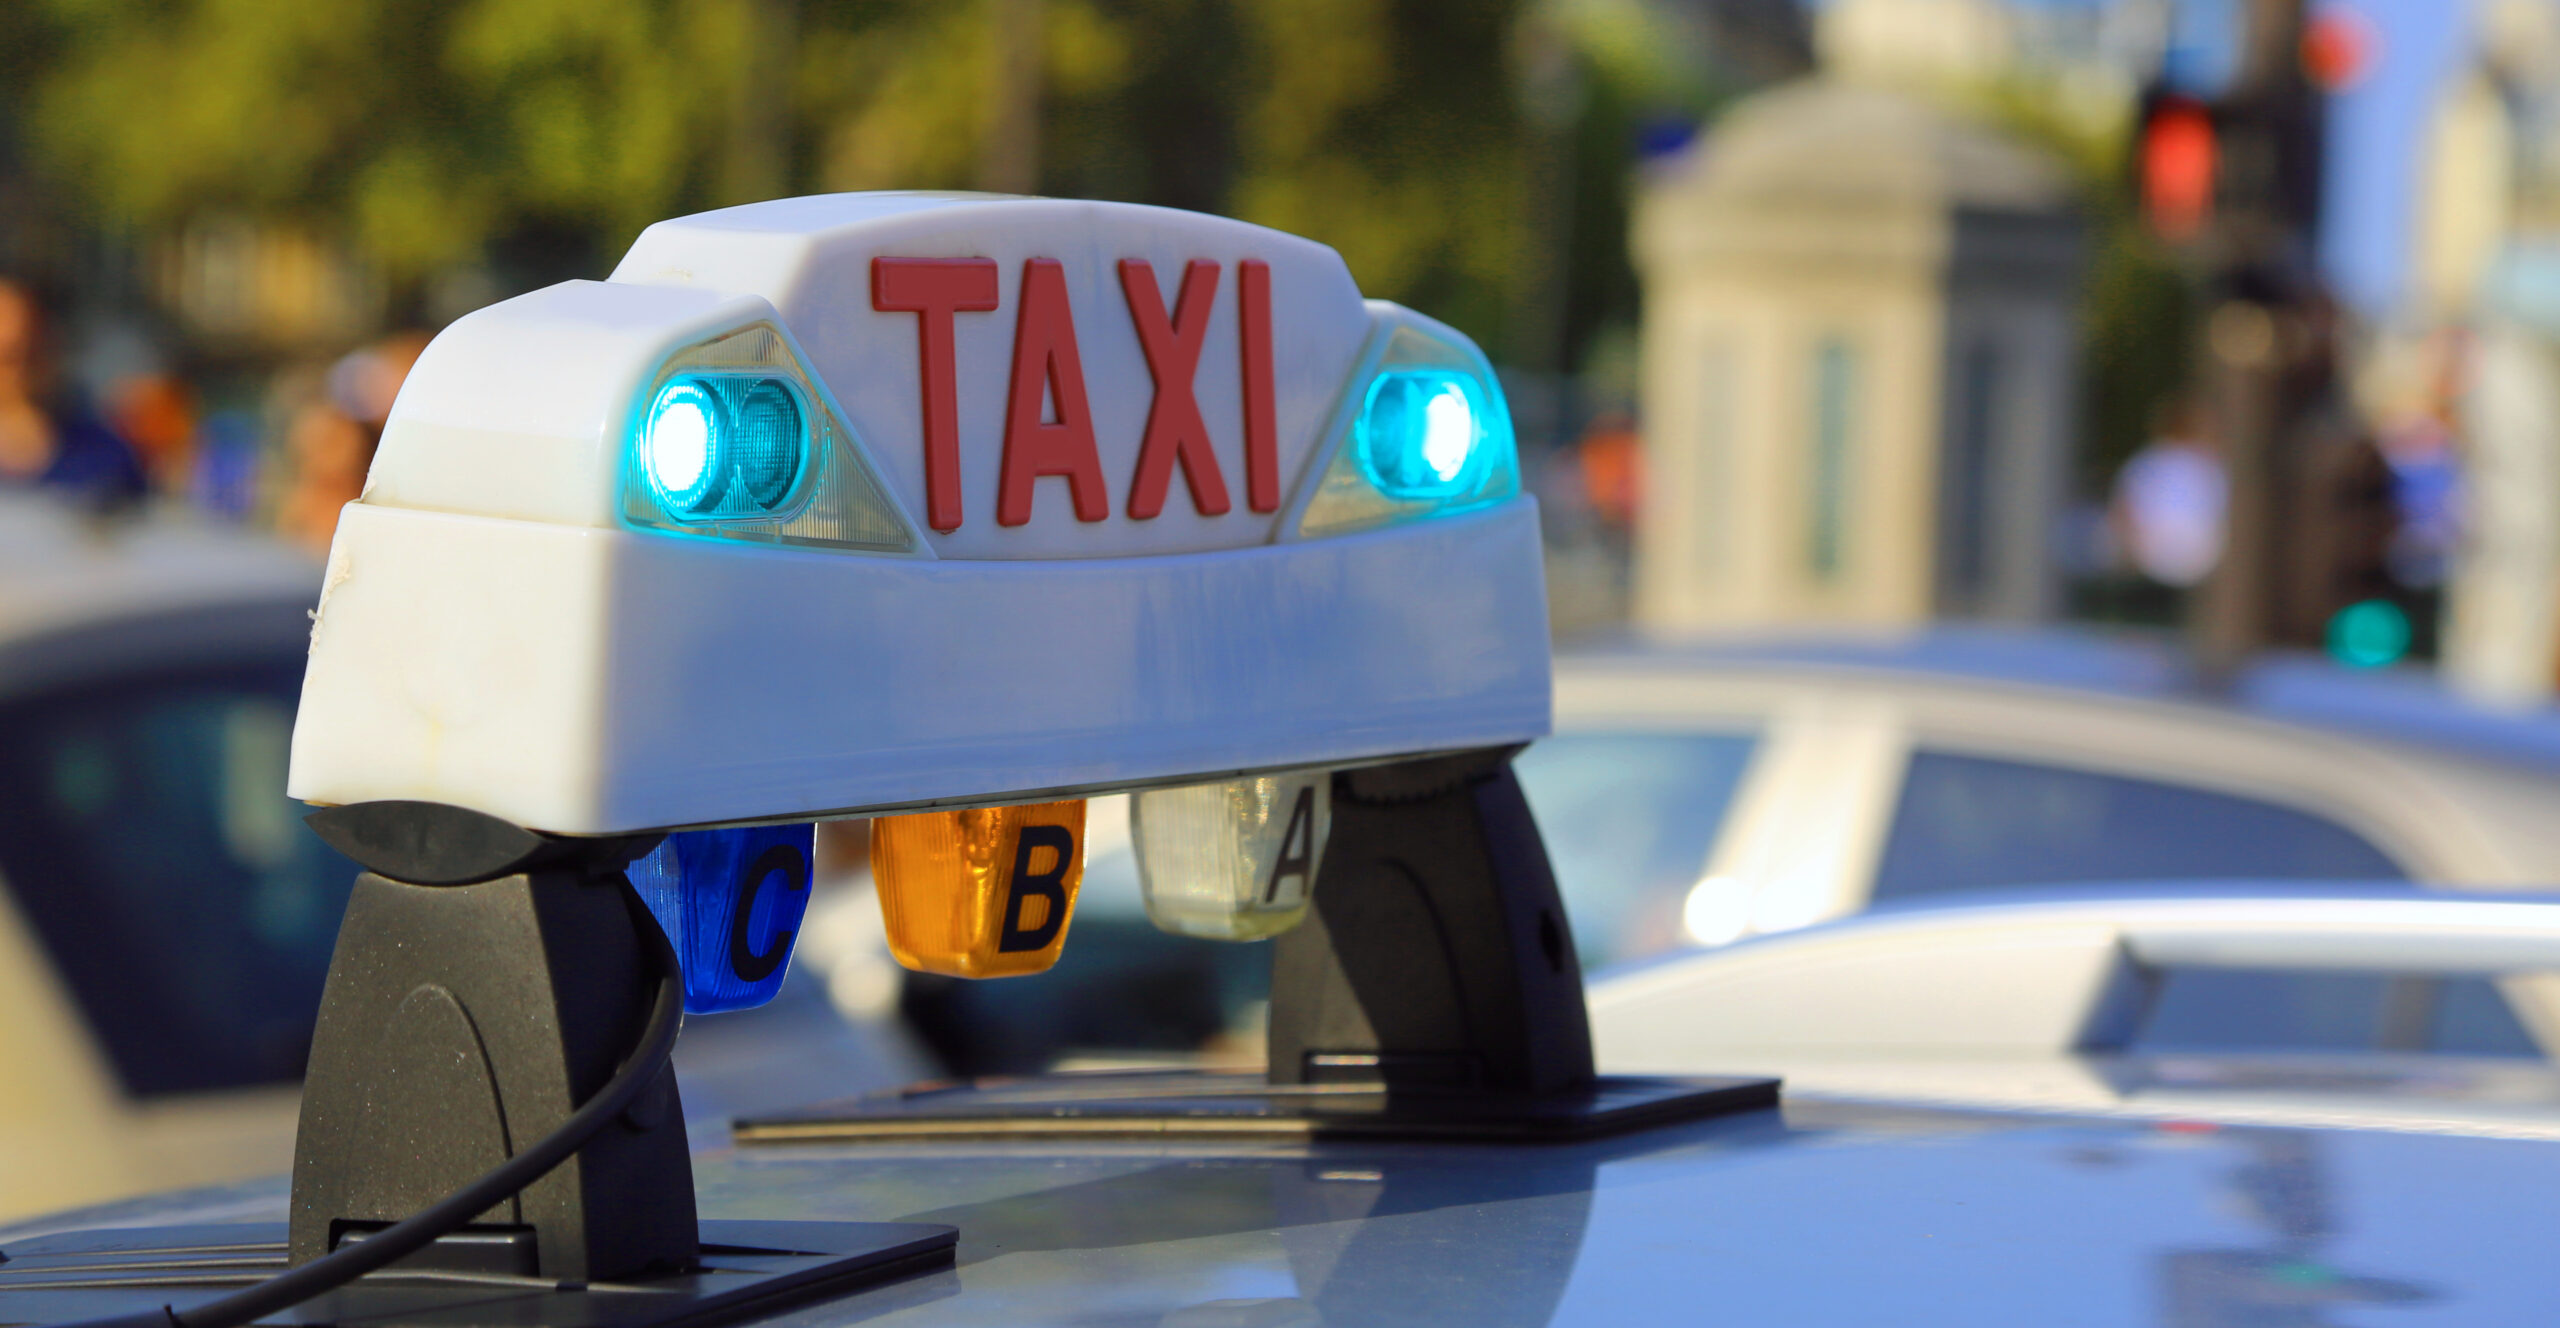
[1860,352]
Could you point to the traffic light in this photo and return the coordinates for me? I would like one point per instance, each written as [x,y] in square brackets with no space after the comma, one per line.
[2177,159]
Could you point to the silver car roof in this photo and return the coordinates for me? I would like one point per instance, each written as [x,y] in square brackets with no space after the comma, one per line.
[2406,705]
[1825,1214]
[79,592]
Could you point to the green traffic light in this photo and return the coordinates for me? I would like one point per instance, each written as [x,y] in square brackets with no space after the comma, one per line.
[2369,634]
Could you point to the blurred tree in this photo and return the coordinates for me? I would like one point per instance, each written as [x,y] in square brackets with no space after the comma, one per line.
[2139,351]
[415,130]
[2137,312]
[426,134]
[1392,133]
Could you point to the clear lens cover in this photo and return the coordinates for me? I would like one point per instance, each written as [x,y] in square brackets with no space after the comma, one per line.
[737,440]
[731,902]
[1233,860]
[1431,435]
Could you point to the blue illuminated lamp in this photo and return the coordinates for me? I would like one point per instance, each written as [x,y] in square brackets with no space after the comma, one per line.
[731,901]
[680,447]
[729,445]
[770,438]
[1421,433]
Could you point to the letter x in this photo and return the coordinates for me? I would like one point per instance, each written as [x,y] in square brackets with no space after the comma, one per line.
[1175,431]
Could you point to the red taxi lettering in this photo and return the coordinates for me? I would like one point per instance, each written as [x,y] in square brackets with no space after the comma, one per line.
[1261,423]
[934,289]
[1175,431]
[1048,381]
[1046,363]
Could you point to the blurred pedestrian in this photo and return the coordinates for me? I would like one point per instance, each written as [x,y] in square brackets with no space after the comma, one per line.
[2171,499]
[1611,459]
[47,438]
[155,412]
[2423,449]
[331,441]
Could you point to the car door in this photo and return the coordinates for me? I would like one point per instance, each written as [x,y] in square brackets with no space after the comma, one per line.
[183,914]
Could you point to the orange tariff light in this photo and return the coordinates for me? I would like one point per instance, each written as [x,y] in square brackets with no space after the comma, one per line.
[983,893]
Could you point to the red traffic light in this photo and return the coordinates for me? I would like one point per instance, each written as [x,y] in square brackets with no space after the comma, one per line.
[2180,157]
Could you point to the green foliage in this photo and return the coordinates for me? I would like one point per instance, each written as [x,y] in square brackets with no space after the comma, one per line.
[2137,306]
[412,129]
[2138,324]
[1389,132]
[420,133]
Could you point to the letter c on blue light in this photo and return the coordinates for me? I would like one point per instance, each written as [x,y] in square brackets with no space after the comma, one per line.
[743,959]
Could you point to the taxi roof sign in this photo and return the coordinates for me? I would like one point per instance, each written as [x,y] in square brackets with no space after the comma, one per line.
[952,591]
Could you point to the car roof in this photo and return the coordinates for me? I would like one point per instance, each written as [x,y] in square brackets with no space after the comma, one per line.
[62,568]
[2402,705]
[1823,1213]
[82,593]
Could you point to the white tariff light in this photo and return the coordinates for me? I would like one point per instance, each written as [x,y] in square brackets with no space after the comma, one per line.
[1717,910]
[1235,859]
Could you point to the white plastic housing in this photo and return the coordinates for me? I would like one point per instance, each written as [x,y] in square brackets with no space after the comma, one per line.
[496,633]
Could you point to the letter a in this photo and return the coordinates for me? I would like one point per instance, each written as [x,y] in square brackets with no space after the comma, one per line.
[1297,846]
[1046,363]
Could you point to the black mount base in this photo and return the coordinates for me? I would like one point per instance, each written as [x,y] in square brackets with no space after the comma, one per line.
[744,1267]
[461,1022]
[486,982]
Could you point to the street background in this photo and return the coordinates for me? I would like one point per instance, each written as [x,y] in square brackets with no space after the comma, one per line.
[2232,318]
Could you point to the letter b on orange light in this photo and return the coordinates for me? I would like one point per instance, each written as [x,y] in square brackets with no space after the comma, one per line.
[984,893]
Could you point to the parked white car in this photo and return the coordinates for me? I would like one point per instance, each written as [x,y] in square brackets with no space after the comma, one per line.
[165,916]
[2386,1006]
[1695,795]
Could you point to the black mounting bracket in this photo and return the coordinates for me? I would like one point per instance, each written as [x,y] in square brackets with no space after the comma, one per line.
[459,1023]
[1436,954]
[487,980]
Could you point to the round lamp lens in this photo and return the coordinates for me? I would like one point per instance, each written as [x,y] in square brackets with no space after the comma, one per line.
[1418,433]
[680,446]
[1448,432]
[771,441]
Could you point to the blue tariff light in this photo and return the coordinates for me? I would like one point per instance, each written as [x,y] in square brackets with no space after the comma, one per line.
[2369,634]
[723,446]
[1421,433]
[731,902]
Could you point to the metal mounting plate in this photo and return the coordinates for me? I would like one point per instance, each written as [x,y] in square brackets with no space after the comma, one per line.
[745,1267]
[1143,1103]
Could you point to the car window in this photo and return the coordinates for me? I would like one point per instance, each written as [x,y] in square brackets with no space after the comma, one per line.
[1967,822]
[146,837]
[1629,819]
[2244,1010]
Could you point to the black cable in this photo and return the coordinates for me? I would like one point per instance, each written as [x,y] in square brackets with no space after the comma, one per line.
[421,1229]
